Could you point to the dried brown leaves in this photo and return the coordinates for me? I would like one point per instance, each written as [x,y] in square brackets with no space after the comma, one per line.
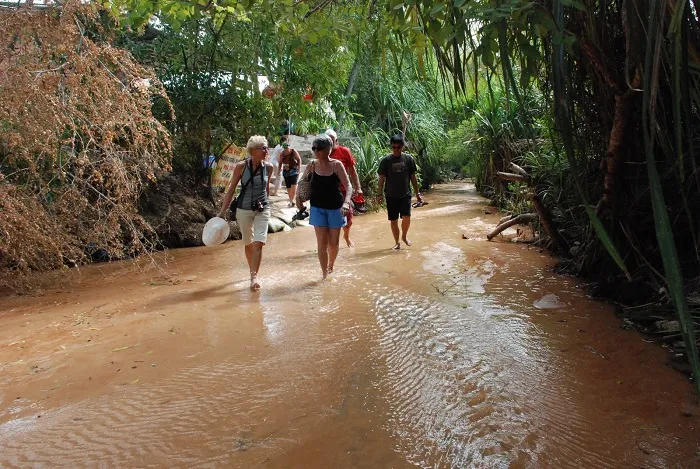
[77,140]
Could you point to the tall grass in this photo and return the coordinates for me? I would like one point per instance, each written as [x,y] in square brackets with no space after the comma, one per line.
[368,149]
[664,229]
[395,101]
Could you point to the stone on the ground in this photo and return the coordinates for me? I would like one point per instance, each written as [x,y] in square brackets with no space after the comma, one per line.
[286,214]
[549,301]
[296,223]
[275,225]
[235,232]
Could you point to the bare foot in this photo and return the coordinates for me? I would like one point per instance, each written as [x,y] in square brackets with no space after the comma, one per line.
[396,247]
[330,269]
[325,275]
[350,243]
[405,240]
[254,284]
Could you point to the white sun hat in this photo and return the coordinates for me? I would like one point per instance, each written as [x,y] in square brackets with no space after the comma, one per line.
[215,232]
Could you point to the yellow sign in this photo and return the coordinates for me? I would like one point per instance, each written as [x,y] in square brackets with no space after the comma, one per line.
[224,167]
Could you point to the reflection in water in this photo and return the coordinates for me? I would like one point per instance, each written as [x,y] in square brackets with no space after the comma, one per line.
[449,354]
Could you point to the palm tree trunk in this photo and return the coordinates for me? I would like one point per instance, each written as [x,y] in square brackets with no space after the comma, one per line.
[348,91]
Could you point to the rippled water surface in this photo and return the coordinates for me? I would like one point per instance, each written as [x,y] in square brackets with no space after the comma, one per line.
[451,353]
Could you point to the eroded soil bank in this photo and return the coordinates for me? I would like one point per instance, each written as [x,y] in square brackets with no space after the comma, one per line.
[450,353]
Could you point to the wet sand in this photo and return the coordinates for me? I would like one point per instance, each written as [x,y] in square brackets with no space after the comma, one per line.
[450,353]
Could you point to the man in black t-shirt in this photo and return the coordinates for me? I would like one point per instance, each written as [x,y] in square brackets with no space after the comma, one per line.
[395,173]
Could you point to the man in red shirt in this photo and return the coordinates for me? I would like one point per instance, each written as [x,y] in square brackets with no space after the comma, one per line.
[344,155]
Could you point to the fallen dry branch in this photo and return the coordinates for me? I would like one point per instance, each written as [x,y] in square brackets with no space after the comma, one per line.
[548,225]
[523,219]
[506,218]
[520,170]
[542,213]
[512,177]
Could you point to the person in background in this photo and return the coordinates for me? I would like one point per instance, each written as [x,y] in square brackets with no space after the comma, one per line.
[253,207]
[397,172]
[328,205]
[344,155]
[290,164]
[274,159]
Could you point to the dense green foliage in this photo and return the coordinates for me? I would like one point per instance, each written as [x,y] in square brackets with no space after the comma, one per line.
[210,62]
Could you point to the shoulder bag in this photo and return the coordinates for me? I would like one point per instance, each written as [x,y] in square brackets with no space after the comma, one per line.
[304,184]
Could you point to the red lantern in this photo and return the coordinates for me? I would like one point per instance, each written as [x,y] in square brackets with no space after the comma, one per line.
[269,92]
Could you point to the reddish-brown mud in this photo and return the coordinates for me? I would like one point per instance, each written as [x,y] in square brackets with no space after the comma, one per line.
[451,353]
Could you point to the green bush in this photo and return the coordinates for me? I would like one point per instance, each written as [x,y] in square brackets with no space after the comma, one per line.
[368,150]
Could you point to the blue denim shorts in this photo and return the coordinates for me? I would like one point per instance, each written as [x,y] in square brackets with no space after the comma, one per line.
[331,218]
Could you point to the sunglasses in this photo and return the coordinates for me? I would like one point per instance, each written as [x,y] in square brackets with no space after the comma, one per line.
[397,147]
[262,148]
[318,148]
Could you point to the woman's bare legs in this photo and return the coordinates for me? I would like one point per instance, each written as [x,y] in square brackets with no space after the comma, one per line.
[322,235]
[253,254]
[292,192]
[333,241]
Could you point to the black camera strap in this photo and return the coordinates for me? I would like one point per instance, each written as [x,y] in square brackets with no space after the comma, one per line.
[243,186]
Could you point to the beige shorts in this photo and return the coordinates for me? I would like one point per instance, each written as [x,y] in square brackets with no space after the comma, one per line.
[253,225]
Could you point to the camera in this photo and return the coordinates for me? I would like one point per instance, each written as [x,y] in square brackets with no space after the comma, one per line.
[259,205]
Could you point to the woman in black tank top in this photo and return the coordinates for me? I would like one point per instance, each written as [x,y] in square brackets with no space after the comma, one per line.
[325,192]
[328,205]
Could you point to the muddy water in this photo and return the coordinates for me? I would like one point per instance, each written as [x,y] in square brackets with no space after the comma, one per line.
[451,353]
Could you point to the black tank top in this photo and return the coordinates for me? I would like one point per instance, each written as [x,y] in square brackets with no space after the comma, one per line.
[325,191]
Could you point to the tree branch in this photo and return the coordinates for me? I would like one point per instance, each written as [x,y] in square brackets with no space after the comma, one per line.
[512,177]
[523,219]
[318,7]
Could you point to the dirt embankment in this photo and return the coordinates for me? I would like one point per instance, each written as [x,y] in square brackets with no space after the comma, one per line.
[177,211]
